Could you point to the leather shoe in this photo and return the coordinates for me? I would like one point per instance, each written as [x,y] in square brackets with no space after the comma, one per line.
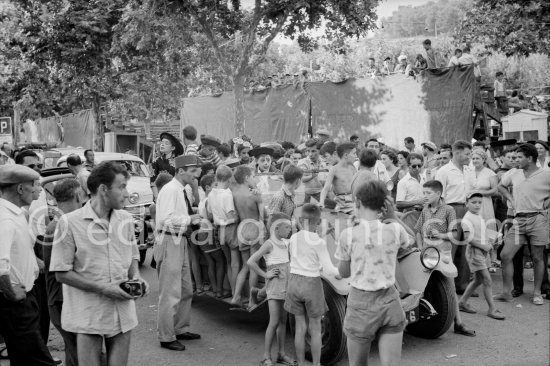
[517,293]
[174,346]
[188,336]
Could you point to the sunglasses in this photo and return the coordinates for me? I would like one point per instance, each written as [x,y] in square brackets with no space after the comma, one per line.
[33,166]
[416,166]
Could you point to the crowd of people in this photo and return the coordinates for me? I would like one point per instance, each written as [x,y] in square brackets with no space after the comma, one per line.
[400,63]
[213,205]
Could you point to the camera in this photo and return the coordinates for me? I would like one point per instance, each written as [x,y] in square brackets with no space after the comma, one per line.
[133,288]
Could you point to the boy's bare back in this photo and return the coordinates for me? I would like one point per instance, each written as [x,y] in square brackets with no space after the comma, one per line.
[246,203]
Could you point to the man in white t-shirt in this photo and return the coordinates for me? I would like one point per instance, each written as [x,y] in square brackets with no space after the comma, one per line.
[379,169]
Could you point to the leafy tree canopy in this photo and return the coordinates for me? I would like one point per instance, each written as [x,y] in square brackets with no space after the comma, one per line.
[429,20]
[511,27]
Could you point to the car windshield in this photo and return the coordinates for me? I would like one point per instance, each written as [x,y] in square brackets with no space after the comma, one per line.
[135,168]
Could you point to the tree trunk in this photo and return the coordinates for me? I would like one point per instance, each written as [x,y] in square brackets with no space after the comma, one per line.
[238,90]
[99,130]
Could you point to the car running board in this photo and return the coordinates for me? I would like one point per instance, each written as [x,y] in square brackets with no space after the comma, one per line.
[228,301]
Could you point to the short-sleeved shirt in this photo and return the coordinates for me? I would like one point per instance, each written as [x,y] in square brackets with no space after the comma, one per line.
[282,201]
[82,178]
[221,204]
[409,189]
[372,249]
[17,256]
[312,186]
[453,181]
[475,227]
[101,252]
[443,220]
[529,193]
[379,170]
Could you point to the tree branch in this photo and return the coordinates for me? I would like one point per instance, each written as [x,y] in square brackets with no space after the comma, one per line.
[213,42]
[265,44]
[250,39]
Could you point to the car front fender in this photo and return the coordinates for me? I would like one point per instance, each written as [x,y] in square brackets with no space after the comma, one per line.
[417,276]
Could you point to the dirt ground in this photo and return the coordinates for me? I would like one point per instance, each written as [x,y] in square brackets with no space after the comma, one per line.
[236,339]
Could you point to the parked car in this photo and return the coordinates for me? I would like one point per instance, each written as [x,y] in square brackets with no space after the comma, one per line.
[423,279]
[141,195]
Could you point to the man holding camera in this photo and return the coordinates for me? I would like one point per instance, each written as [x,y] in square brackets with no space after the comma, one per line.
[94,255]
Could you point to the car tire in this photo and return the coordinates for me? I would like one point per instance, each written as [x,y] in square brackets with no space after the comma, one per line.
[142,256]
[440,293]
[333,340]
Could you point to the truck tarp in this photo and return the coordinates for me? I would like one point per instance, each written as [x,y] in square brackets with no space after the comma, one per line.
[436,106]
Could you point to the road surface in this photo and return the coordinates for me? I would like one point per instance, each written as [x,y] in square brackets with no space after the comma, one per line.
[236,339]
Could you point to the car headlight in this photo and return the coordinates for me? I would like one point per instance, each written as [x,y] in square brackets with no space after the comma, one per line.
[133,198]
[430,257]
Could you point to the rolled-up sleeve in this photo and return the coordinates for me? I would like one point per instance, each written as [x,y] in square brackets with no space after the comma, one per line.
[63,247]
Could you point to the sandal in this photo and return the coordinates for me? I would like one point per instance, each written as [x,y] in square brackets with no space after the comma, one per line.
[467,308]
[285,360]
[4,352]
[200,291]
[461,329]
[496,315]
[266,362]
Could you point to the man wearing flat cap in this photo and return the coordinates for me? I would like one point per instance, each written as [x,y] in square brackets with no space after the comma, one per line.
[174,217]
[19,316]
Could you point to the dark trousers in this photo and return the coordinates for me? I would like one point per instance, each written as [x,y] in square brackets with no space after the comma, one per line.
[39,290]
[20,327]
[71,358]
[459,254]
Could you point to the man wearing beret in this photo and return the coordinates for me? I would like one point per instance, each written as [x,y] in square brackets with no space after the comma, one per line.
[173,218]
[19,316]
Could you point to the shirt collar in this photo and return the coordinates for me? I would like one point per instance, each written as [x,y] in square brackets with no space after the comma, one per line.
[10,206]
[410,177]
[438,206]
[287,192]
[178,183]
[89,214]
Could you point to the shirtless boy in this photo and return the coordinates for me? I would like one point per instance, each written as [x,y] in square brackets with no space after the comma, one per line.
[340,177]
[250,231]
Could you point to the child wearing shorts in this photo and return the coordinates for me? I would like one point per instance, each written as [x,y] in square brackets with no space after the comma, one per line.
[305,297]
[275,253]
[208,242]
[225,218]
[368,255]
[477,255]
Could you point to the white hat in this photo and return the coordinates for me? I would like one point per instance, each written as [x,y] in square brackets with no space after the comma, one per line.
[402,57]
